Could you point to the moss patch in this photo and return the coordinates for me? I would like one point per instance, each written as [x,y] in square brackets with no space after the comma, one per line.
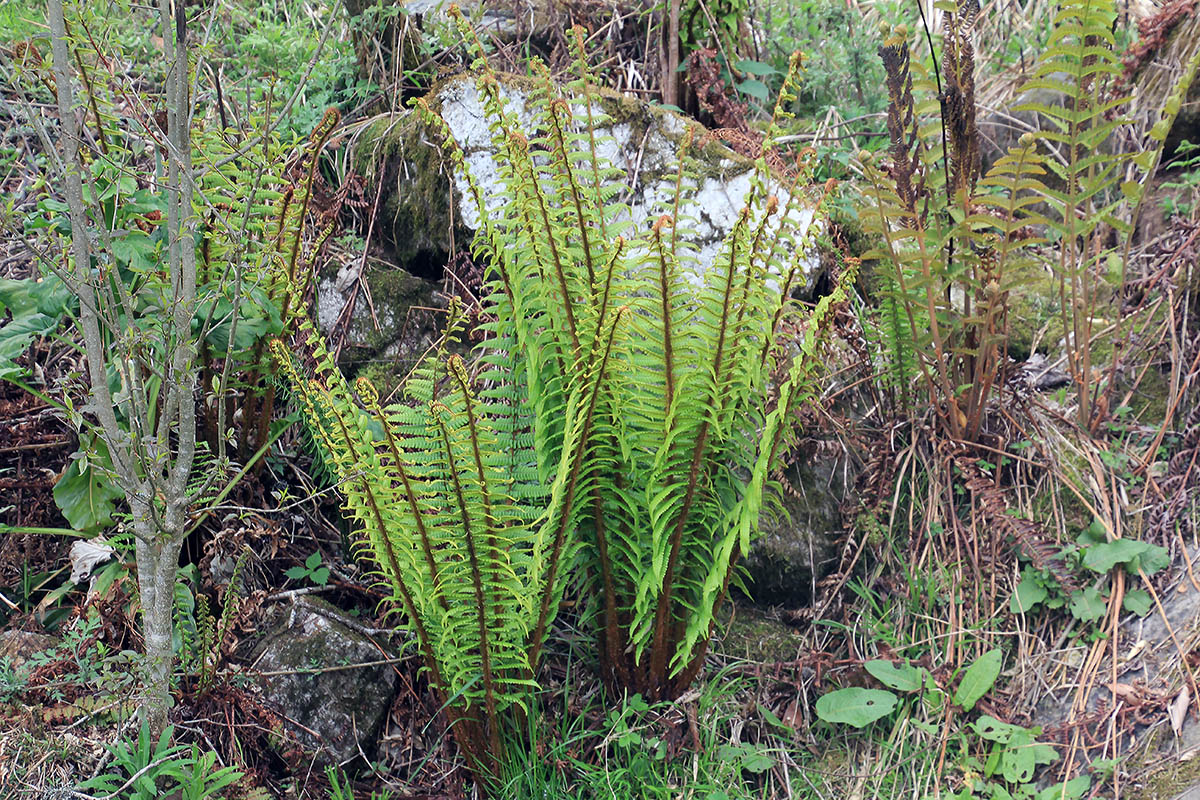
[750,633]
[1034,315]
[1163,774]
[416,192]
[386,345]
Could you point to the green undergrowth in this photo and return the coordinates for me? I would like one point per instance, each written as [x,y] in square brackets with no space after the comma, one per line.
[20,19]
[717,742]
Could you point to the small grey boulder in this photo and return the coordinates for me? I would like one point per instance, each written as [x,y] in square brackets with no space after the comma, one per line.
[306,667]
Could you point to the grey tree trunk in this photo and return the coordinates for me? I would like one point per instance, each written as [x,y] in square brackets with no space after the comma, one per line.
[153,444]
[157,560]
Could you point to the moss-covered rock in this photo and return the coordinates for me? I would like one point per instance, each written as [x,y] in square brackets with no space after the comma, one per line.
[415,216]
[425,208]
[386,336]
[305,666]
[798,547]
[427,214]
[744,631]
[1034,315]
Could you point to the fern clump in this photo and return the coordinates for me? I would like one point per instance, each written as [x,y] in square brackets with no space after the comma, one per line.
[620,420]
[701,384]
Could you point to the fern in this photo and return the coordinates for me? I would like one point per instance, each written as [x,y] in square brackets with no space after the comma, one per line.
[1090,189]
[952,242]
[683,434]
[955,245]
[469,523]
[253,249]
[619,415]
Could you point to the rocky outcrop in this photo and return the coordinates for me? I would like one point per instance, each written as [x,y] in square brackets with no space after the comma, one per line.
[425,213]
[508,21]
[425,208]
[17,647]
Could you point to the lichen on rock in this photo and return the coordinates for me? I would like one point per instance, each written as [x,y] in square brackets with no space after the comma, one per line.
[308,668]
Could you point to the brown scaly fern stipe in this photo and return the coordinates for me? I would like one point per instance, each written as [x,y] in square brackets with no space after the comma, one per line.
[958,99]
[901,124]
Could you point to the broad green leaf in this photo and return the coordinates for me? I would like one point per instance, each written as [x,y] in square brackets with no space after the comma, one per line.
[729,753]
[1137,601]
[1017,763]
[1154,559]
[1071,790]
[1028,594]
[1095,533]
[1044,753]
[137,250]
[755,88]
[1133,553]
[978,679]
[993,730]
[1022,757]
[755,68]
[757,761]
[1103,557]
[86,494]
[855,706]
[1087,605]
[36,306]
[901,677]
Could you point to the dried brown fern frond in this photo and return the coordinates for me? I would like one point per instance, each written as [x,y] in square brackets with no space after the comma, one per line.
[901,120]
[958,98]
[991,502]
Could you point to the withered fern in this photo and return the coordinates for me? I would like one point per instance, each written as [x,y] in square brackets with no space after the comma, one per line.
[256,245]
[948,255]
[955,243]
